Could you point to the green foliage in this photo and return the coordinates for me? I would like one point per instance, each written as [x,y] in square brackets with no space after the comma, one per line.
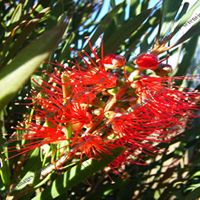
[76,174]
[35,33]
[14,75]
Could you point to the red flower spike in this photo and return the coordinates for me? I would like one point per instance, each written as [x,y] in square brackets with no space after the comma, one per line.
[49,134]
[161,114]
[86,84]
[75,115]
[147,61]
[38,135]
[159,94]
[113,61]
[142,114]
[91,146]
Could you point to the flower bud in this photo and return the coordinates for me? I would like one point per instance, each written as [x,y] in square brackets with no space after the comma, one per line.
[163,70]
[147,61]
[113,61]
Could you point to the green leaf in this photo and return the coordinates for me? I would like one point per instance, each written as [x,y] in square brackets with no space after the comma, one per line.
[34,163]
[193,195]
[188,54]
[195,30]
[135,7]
[125,31]
[30,173]
[16,73]
[105,22]
[16,14]
[26,180]
[183,10]
[142,31]
[19,41]
[76,175]
[5,172]
[183,20]
[169,11]
[196,174]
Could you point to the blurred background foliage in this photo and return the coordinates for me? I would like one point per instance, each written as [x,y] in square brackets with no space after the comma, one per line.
[33,32]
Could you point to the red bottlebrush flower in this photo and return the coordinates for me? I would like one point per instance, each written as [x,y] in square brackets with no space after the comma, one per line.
[161,113]
[37,135]
[86,84]
[55,113]
[49,134]
[165,99]
[91,146]
[147,61]
[75,105]
[161,91]
[64,100]
[75,115]
[113,61]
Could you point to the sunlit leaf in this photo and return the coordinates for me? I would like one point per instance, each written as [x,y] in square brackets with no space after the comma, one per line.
[125,30]
[76,175]
[193,31]
[17,13]
[169,11]
[16,73]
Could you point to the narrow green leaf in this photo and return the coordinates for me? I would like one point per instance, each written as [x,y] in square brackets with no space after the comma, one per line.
[195,30]
[135,38]
[16,73]
[26,180]
[183,10]
[193,195]
[16,14]
[125,30]
[105,22]
[183,20]
[188,54]
[5,172]
[19,42]
[169,11]
[135,7]
[34,163]
[145,4]
[76,175]
[30,172]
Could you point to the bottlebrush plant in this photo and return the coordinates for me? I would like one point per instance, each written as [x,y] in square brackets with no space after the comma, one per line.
[114,115]
[95,106]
